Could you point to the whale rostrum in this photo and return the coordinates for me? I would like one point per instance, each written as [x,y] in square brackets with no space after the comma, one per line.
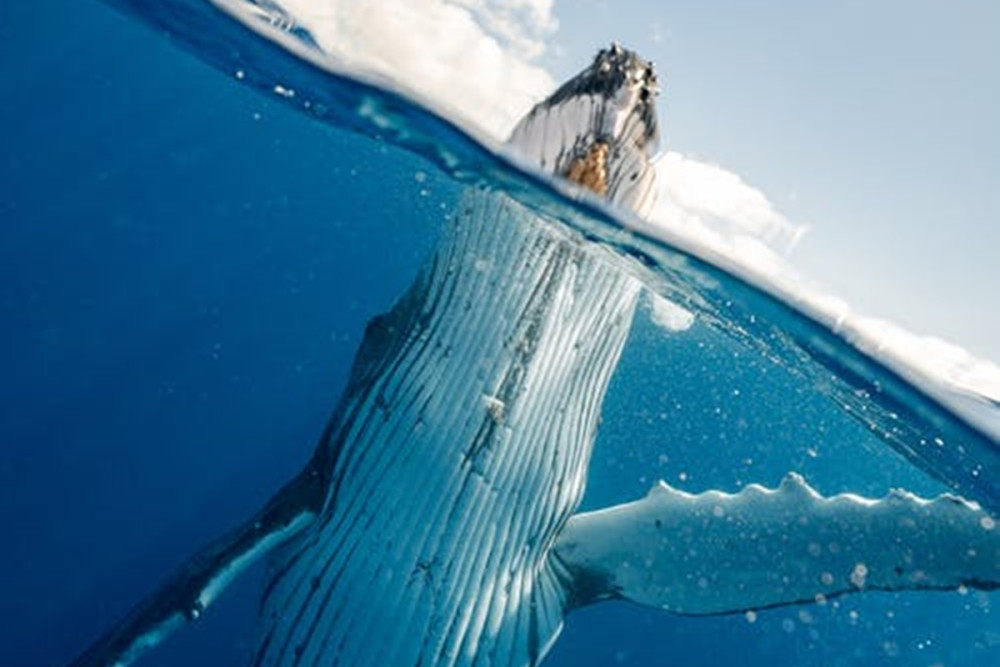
[436,523]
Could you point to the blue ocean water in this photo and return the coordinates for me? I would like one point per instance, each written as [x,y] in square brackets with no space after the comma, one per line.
[187,268]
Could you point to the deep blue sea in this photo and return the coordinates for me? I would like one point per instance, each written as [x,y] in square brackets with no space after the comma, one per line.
[186,270]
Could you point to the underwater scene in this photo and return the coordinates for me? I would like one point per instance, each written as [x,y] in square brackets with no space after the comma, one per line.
[344,333]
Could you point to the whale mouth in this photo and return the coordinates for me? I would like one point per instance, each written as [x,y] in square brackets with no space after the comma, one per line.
[599,130]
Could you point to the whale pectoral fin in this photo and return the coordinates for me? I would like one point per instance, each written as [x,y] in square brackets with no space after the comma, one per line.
[716,553]
[197,583]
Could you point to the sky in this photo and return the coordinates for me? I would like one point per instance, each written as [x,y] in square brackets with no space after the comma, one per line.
[873,124]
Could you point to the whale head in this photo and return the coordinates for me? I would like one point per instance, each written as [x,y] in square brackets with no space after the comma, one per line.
[599,129]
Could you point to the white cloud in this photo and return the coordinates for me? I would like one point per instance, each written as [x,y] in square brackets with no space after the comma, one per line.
[521,25]
[472,58]
[721,201]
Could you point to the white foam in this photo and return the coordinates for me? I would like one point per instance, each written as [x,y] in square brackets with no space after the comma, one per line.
[668,315]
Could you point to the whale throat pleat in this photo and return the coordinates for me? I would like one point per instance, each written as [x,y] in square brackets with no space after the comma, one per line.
[458,453]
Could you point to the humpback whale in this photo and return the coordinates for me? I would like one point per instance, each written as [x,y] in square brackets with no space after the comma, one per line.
[436,522]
